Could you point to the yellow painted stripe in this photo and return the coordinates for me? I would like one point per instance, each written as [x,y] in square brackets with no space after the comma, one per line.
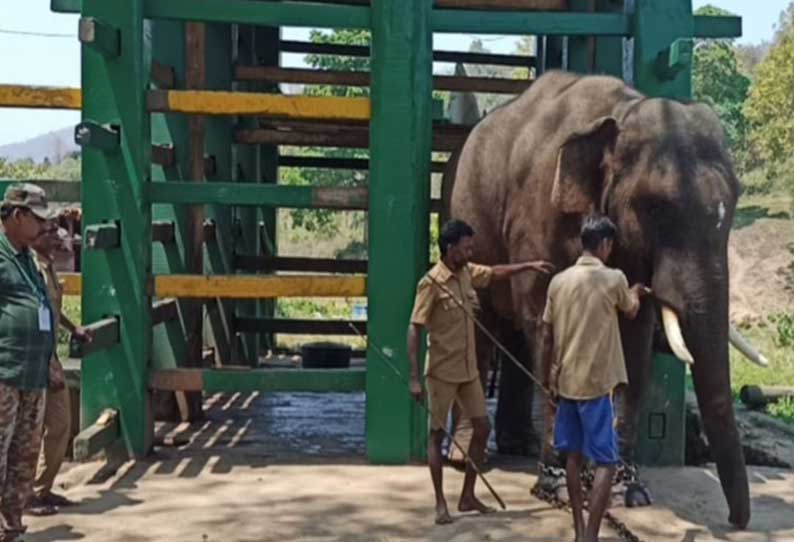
[40,97]
[244,286]
[72,283]
[248,103]
[253,287]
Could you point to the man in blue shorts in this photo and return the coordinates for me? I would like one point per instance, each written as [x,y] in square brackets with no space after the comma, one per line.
[582,339]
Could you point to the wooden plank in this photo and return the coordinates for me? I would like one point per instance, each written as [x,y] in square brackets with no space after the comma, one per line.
[274,74]
[300,326]
[97,436]
[40,97]
[303,47]
[259,195]
[446,137]
[268,264]
[251,380]
[164,310]
[322,162]
[207,102]
[258,287]
[105,335]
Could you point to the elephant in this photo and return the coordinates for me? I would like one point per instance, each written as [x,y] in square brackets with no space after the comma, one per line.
[570,145]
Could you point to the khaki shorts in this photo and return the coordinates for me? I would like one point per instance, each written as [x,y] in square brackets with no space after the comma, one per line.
[440,395]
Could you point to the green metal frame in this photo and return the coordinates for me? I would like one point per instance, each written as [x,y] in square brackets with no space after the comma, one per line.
[118,133]
[113,190]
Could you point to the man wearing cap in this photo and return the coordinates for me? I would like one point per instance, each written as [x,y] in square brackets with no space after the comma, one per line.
[27,341]
[57,404]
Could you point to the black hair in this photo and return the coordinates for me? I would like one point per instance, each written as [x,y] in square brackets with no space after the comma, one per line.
[451,233]
[595,229]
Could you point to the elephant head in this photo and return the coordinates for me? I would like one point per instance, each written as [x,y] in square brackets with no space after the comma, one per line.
[660,170]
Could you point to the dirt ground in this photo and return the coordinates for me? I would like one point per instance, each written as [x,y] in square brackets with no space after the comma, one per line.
[761,262]
[291,467]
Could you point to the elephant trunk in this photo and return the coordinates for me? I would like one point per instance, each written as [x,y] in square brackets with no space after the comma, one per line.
[697,291]
[707,336]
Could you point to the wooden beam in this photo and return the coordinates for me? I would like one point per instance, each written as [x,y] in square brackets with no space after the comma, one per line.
[322,162]
[272,74]
[446,137]
[205,102]
[163,76]
[105,335]
[102,236]
[164,155]
[250,380]
[97,436]
[268,264]
[258,287]
[163,231]
[40,97]
[164,310]
[299,326]
[303,47]
[259,195]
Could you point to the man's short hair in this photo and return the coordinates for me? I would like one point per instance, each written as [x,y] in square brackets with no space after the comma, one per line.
[451,233]
[595,229]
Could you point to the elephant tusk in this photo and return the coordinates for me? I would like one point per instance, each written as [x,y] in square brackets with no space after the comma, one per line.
[672,328]
[742,345]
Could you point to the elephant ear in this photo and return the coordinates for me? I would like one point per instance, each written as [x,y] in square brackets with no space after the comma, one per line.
[579,179]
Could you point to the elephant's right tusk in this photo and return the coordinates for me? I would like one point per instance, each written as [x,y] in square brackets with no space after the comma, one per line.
[672,329]
[743,345]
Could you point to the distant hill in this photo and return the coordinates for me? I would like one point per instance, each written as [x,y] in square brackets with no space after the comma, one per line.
[53,146]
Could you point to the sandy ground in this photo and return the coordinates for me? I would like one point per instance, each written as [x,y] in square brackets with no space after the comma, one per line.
[761,262]
[290,467]
[222,501]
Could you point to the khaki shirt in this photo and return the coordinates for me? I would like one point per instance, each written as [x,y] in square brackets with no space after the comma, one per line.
[582,308]
[54,289]
[451,355]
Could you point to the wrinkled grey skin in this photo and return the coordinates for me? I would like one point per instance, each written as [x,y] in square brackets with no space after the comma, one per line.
[527,175]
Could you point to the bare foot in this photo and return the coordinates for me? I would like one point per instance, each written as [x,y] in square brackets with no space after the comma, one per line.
[473,504]
[442,515]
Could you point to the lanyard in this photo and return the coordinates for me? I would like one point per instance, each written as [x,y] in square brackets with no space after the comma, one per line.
[41,295]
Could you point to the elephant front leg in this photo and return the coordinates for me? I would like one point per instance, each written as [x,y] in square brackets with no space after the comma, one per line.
[637,338]
[514,424]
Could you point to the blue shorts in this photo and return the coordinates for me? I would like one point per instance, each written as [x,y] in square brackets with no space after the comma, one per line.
[587,427]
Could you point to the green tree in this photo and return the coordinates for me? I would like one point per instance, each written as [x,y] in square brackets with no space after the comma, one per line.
[717,81]
[769,108]
[321,221]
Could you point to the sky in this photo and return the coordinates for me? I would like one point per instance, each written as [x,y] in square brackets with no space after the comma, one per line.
[54,60]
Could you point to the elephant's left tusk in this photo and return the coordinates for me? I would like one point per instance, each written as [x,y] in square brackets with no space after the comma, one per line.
[742,345]
[672,329]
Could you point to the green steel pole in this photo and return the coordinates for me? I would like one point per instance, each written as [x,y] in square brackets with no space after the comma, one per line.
[658,24]
[113,190]
[399,205]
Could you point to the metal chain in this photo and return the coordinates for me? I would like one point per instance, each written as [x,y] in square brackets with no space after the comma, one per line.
[549,496]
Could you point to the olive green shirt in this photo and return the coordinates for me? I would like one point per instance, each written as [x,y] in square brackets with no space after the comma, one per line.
[452,353]
[25,350]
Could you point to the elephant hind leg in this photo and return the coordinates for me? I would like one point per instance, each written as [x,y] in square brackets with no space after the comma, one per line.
[515,431]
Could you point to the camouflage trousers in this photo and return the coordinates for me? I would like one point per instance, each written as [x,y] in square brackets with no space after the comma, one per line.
[21,418]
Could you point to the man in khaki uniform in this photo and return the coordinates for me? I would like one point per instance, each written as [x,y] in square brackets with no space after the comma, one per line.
[582,340]
[451,371]
[57,409]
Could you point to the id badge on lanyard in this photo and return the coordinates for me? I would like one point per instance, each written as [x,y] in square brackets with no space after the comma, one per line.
[45,319]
